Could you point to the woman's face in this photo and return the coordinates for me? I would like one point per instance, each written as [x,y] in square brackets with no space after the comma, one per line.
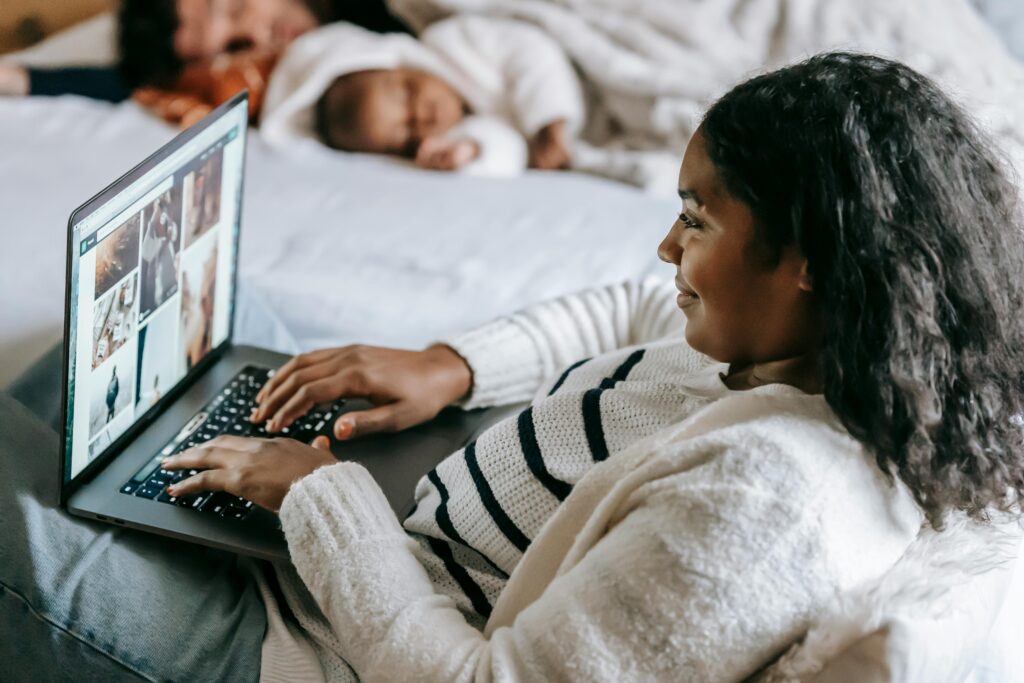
[741,306]
[207,28]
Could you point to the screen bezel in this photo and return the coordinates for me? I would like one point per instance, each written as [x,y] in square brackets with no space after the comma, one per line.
[68,485]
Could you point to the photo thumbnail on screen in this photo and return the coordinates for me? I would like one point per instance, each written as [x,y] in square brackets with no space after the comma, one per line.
[161,247]
[202,196]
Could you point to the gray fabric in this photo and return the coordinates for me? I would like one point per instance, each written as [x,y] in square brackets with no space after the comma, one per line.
[86,601]
[39,388]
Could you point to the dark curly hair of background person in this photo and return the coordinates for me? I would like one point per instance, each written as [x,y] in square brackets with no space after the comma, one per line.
[911,226]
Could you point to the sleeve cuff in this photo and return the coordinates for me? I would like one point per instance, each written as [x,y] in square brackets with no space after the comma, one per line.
[334,507]
[506,366]
[503,151]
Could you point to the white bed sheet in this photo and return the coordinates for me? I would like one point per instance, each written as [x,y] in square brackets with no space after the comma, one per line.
[335,248]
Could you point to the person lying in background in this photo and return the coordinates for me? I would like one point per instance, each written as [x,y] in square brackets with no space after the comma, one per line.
[158,38]
[488,96]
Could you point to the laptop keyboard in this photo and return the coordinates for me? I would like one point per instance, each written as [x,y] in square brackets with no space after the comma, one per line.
[227,413]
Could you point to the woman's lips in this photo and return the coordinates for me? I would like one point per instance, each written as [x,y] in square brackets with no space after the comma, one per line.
[686,297]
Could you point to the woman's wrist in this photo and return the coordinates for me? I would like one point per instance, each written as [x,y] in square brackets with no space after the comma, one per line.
[458,375]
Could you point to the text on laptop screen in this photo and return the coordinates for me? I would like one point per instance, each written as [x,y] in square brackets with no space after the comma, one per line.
[151,281]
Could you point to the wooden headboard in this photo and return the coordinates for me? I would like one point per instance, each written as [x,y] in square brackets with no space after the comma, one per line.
[23,22]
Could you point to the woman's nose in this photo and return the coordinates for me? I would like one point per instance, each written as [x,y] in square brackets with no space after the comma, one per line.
[669,250]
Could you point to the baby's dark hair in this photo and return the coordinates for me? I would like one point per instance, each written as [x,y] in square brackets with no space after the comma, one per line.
[913,236]
[337,112]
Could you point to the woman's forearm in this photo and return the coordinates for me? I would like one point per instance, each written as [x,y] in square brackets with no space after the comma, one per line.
[98,83]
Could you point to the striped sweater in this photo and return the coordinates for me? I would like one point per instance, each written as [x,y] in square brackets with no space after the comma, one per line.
[704,526]
[631,374]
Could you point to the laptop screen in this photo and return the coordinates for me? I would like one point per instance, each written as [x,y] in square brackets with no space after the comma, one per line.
[151,279]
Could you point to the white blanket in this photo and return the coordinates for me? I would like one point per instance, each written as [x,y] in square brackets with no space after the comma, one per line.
[655,65]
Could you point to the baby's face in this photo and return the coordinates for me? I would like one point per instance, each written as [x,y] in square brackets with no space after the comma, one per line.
[398,108]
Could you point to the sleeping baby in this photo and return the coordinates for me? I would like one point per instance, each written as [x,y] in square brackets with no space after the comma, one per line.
[475,94]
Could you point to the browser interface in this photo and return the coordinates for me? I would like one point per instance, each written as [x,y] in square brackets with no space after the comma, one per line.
[151,286]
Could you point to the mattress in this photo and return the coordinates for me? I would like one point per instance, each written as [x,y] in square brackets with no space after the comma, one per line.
[335,248]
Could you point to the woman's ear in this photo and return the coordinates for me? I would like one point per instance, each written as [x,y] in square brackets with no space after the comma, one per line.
[805,283]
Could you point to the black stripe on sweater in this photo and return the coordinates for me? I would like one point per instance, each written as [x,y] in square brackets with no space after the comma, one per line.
[462,578]
[622,372]
[483,489]
[534,459]
[444,521]
[565,375]
[592,424]
[592,407]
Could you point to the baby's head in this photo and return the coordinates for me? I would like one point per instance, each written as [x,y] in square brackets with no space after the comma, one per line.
[386,111]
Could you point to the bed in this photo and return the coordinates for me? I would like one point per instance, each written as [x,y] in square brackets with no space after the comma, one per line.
[335,248]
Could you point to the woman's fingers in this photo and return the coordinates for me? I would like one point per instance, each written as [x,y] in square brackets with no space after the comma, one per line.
[289,387]
[387,418]
[219,452]
[262,472]
[303,360]
[303,398]
[207,480]
[216,458]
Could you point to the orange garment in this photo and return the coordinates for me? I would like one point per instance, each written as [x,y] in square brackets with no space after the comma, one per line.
[204,85]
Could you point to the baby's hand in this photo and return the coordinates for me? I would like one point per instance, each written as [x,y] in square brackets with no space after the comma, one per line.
[445,154]
[549,149]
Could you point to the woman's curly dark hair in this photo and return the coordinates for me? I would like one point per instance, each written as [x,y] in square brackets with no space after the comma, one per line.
[911,227]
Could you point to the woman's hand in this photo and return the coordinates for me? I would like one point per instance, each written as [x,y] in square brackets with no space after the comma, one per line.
[406,387]
[260,470]
[549,148]
[13,80]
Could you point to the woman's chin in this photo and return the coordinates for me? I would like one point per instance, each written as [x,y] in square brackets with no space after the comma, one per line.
[693,339]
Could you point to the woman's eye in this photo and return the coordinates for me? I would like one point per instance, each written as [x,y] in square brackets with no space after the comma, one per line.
[689,222]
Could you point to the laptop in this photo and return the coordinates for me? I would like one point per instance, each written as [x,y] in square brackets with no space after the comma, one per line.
[150,367]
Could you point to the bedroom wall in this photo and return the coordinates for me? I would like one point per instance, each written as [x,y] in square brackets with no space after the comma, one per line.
[23,22]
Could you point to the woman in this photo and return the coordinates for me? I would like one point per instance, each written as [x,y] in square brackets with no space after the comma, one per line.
[847,262]
[157,38]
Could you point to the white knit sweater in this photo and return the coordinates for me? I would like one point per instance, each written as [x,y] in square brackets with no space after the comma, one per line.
[703,529]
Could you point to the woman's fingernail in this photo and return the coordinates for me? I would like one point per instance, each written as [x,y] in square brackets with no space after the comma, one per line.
[343,429]
[272,425]
[172,489]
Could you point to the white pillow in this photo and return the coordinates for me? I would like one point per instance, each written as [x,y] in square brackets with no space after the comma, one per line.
[90,43]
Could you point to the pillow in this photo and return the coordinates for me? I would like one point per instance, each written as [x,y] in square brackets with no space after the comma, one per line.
[90,43]
[928,619]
